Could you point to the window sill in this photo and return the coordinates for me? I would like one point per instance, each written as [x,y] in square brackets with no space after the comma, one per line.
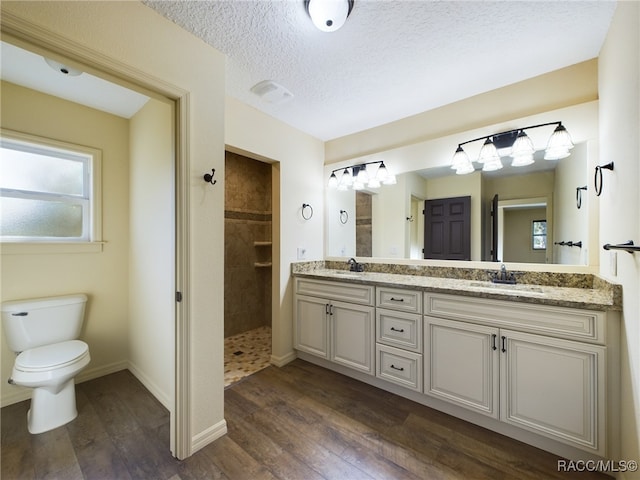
[33,248]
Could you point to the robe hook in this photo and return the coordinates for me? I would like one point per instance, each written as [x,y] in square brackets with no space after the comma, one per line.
[208,177]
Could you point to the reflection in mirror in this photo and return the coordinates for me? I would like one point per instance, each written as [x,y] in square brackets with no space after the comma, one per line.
[545,190]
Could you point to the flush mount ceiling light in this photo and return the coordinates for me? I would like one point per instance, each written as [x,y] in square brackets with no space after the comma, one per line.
[328,15]
[513,143]
[271,92]
[62,68]
[360,176]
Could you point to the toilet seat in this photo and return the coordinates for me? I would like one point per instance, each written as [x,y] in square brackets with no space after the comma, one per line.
[49,357]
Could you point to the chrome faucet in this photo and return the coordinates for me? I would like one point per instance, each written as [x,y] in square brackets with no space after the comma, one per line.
[503,276]
[354,266]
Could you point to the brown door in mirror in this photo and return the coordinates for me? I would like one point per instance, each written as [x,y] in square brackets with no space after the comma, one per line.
[494,229]
[447,228]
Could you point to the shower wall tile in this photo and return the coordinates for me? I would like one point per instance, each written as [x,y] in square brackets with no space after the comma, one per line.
[247,220]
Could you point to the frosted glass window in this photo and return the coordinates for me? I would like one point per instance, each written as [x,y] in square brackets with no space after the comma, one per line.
[45,192]
[24,217]
[41,173]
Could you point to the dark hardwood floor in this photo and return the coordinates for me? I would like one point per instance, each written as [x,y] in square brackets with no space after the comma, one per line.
[298,422]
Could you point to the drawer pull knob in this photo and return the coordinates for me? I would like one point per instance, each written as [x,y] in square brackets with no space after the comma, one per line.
[401,369]
[394,329]
[393,299]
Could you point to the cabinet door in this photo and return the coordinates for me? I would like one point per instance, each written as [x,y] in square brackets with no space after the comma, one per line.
[554,387]
[311,326]
[352,336]
[462,364]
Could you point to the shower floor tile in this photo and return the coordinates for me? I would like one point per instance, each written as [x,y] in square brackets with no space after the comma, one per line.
[246,353]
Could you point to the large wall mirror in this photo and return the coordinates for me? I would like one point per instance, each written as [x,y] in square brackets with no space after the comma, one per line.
[539,213]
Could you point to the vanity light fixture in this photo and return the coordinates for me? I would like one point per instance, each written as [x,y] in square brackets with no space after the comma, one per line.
[328,15]
[360,176]
[514,143]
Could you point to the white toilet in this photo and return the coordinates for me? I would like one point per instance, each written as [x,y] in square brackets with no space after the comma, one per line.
[44,331]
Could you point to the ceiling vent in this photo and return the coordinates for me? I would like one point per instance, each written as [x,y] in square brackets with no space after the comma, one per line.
[271,92]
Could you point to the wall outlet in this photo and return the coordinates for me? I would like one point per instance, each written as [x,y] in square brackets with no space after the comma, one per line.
[302,253]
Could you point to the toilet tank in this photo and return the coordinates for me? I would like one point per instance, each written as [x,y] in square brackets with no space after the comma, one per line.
[35,322]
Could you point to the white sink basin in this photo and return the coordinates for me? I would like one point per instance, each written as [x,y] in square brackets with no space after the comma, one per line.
[348,274]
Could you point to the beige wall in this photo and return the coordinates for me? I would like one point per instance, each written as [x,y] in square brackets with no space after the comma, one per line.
[151,336]
[555,90]
[517,234]
[571,223]
[619,87]
[103,276]
[298,173]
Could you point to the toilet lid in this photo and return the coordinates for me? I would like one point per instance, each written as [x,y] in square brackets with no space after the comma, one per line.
[51,356]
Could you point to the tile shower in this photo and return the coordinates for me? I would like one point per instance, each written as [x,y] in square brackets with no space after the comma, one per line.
[247,269]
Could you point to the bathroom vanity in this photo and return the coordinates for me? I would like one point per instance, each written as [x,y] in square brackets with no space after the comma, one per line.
[537,362]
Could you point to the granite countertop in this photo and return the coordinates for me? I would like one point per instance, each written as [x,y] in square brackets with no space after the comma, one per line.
[599,296]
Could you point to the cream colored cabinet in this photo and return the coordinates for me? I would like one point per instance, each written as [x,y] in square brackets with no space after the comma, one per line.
[336,330]
[399,337]
[462,364]
[554,387]
[352,335]
[311,328]
[551,386]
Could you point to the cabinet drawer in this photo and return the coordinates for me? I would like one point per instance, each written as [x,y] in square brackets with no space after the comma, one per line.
[399,329]
[399,366]
[398,299]
[342,291]
[569,323]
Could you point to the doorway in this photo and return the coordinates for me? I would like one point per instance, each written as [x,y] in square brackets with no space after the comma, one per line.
[131,278]
[248,262]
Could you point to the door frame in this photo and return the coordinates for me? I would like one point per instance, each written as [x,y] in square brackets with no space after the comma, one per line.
[35,37]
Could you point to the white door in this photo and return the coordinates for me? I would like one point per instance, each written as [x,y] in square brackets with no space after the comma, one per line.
[554,387]
[352,336]
[462,364]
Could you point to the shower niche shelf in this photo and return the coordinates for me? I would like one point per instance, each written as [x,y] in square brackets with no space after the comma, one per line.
[266,264]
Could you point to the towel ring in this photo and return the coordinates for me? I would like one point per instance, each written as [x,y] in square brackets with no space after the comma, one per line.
[579,196]
[307,216]
[597,180]
[344,217]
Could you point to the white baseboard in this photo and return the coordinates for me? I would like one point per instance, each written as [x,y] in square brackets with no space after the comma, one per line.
[208,436]
[92,373]
[20,394]
[283,360]
[158,393]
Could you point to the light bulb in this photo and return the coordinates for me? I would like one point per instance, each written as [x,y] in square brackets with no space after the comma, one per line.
[333,181]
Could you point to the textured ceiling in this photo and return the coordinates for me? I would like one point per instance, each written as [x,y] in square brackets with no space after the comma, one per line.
[392,58]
